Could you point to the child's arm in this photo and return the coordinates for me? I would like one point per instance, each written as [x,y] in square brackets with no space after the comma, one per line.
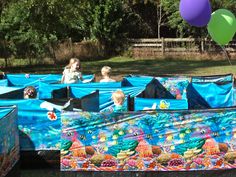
[80,76]
[63,77]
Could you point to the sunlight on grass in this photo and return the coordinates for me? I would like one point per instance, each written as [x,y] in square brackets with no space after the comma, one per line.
[122,66]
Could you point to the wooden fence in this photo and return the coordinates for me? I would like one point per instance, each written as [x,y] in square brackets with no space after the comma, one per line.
[179,46]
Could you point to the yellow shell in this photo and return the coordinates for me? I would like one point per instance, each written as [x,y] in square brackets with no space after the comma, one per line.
[181,135]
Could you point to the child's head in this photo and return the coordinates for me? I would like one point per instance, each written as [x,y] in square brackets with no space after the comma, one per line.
[106,71]
[30,92]
[118,97]
[74,64]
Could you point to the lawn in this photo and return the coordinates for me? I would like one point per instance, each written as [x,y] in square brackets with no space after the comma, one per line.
[122,66]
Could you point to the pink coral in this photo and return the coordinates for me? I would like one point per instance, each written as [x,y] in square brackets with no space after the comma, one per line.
[211,147]
[198,161]
[131,163]
[144,149]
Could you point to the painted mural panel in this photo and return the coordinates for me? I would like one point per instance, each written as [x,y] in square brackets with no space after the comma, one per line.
[9,140]
[38,123]
[149,141]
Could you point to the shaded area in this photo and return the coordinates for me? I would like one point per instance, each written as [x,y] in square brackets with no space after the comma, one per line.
[49,159]
[15,171]
[38,159]
[57,173]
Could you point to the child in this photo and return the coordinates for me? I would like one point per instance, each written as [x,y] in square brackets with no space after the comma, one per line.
[30,92]
[119,97]
[2,75]
[72,73]
[106,71]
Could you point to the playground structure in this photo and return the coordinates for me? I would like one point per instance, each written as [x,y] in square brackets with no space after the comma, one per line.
[177,104]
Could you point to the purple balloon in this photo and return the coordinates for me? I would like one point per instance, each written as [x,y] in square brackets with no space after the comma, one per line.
[195,12]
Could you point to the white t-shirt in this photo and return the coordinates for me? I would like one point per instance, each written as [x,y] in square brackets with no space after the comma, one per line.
[71,77]
[107,80]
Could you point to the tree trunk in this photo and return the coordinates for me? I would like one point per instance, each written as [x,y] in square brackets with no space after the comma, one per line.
[53,54]
[5,54]
[159,19]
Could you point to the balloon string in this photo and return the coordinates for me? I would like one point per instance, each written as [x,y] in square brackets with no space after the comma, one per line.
[226,54]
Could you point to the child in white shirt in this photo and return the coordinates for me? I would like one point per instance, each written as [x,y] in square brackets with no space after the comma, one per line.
[106,71]
[72,73]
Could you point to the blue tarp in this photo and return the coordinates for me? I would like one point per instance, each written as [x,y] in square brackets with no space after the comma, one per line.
[45,90]
[105,94]
[4,90]
[24,79]
[175,87]
[211,92]
[157,104]
[11,92]
[34,79]
[219,78]
[40,126]
[3,82]
[216,96]
[38,122]
[203,91]
[80,90]
[234,96]
[160,92]
[136,81]
[9,139]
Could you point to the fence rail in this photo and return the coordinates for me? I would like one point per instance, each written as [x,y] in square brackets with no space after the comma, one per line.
[179,46]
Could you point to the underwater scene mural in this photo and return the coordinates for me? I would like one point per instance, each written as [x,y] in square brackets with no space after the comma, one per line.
[177,86]
[9,140]
[149,141]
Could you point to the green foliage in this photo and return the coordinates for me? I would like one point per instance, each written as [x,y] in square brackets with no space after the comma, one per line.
[29,28]
[175,21]
[107,21]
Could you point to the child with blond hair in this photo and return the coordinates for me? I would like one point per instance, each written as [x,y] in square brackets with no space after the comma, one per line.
[119,98]
[72,72]
[106,72]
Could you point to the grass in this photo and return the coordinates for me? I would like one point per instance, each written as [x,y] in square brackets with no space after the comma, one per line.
[122,66]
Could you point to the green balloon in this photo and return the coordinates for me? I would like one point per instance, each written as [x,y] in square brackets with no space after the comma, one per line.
[222,26]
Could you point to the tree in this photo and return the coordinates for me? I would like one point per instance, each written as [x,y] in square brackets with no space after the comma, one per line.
[107,22]
[32,27]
